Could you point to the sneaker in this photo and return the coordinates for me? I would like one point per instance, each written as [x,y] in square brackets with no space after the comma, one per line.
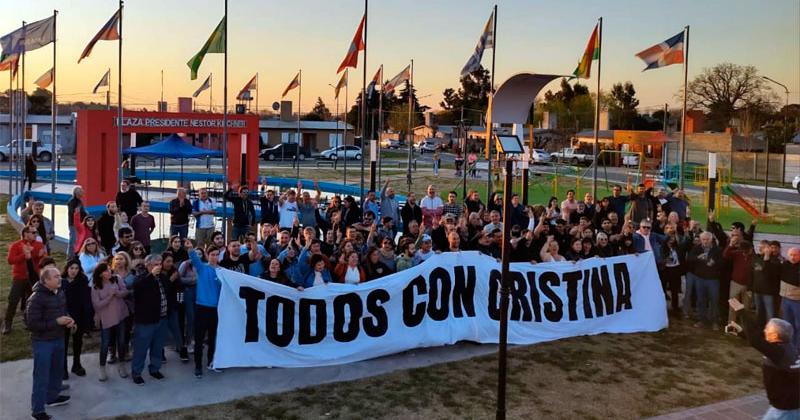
[60,400]
[157,375]
[78,370]
[198,373]
[112,360]
[184,354]
[41,416]
[138,380]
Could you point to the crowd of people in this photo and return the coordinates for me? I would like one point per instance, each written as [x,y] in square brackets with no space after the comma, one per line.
[139,300]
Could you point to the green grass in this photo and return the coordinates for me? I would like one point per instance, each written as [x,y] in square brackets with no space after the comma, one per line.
[17,345]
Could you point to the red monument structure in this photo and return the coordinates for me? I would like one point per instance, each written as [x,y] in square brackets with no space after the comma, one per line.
[97,152]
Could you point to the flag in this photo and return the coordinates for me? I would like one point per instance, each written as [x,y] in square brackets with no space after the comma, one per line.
[486,41]
[351,58]
[663,54]
[342,83]
[44,80]
[376,80]
[30,37]
[592,52]
[295,83]
[397,80]
[215,44]
[103,81]
[109,32]
[10,62]
[252,84]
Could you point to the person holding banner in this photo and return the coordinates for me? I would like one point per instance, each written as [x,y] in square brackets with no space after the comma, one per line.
[348,271]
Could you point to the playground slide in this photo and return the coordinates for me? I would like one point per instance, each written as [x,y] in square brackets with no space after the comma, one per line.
[741,201]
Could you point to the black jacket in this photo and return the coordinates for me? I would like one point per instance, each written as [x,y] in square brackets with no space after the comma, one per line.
[72,204]
[244,212]
[269,211]
[408,213]
[147,290]
[44,307]
[708,268]
[79,301]
[766,276]
[780,367]
[790,273]
[179,214]
[105,227]
[128,201]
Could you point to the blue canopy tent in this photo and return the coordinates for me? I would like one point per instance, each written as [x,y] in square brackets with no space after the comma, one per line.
[172,147]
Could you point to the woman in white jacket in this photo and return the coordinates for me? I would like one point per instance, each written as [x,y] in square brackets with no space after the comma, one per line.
[90,255]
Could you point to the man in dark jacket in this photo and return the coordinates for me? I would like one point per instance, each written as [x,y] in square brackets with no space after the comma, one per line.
[244,213]
[179,210]
[410,211]
[643,204]
[150,320]
[128,199]
[705,260]
[617,201]
[105,227]
[46,316]
[269,207]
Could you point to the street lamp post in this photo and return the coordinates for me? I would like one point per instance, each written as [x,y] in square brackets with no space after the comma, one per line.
[783,169]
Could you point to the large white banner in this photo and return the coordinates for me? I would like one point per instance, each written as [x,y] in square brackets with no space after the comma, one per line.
[449,298]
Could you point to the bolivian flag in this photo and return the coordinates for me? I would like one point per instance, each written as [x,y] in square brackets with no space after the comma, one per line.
[592,52]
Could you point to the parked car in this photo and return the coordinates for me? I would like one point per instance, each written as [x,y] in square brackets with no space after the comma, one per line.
[540,156]
[44,151]
[426,146]
[796,183]
[571,155]
[285,151]
[348,152]
[390,144]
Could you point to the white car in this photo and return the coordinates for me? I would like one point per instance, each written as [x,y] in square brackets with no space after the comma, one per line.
[348,152]
[44,151]
[540,156]
[796,183]
[390,144]
[426,146]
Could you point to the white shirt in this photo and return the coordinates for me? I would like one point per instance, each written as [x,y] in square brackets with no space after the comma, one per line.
[287,212]
[352,276]
[431,203]
[647,245]
[206,220]
[318,281]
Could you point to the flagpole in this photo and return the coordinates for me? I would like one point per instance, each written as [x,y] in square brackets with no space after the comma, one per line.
[119,99]
[108,91]
[344,138]
[410,115]
[338,121]
[225,131]
[53,133]
[363,117]
[297,140]
[257,94]
[683,114]
[211,90]
[23,114]
[489,130]
[380,128]
[11,98]
[597,108]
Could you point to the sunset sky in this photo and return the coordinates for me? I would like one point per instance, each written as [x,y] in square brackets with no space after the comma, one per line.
[276,38]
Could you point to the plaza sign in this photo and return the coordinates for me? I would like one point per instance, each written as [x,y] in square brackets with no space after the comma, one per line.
[149,122]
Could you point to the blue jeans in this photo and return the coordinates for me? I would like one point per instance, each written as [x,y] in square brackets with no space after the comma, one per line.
[189,297]
[691,284]
[791,314]
[765,307]
[117,333]
[73,236]
[174,328]
[148,338]
[180,230]
[708,294]
[48,369]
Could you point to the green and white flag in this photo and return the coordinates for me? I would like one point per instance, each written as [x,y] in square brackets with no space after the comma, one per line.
[215,44]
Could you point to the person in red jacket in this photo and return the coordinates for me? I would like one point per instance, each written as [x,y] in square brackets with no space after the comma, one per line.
[739,254]
[27,248]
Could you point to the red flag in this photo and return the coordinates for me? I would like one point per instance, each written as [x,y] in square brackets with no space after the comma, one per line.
[351,59]
[252,84]
[10,62]
[109,31]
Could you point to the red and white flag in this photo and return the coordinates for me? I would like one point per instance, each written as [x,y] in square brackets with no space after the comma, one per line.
[293,84]
[358,44]
[252,84]
[404,76]
[44,80]
[109,32]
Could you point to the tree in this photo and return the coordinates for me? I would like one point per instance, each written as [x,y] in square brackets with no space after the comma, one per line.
[320,112]
[725,89]
[473,95]
[622,106]
[572,105]
[40,102]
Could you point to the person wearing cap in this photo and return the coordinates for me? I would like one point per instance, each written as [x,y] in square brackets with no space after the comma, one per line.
[244,212]
[425,250]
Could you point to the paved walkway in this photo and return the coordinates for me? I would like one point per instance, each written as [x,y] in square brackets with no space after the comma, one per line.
[92,399]
[745,408]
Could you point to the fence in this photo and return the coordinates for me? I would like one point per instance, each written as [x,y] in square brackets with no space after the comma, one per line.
[748,166]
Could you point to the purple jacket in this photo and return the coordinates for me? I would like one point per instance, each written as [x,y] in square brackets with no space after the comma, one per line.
[110,310]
